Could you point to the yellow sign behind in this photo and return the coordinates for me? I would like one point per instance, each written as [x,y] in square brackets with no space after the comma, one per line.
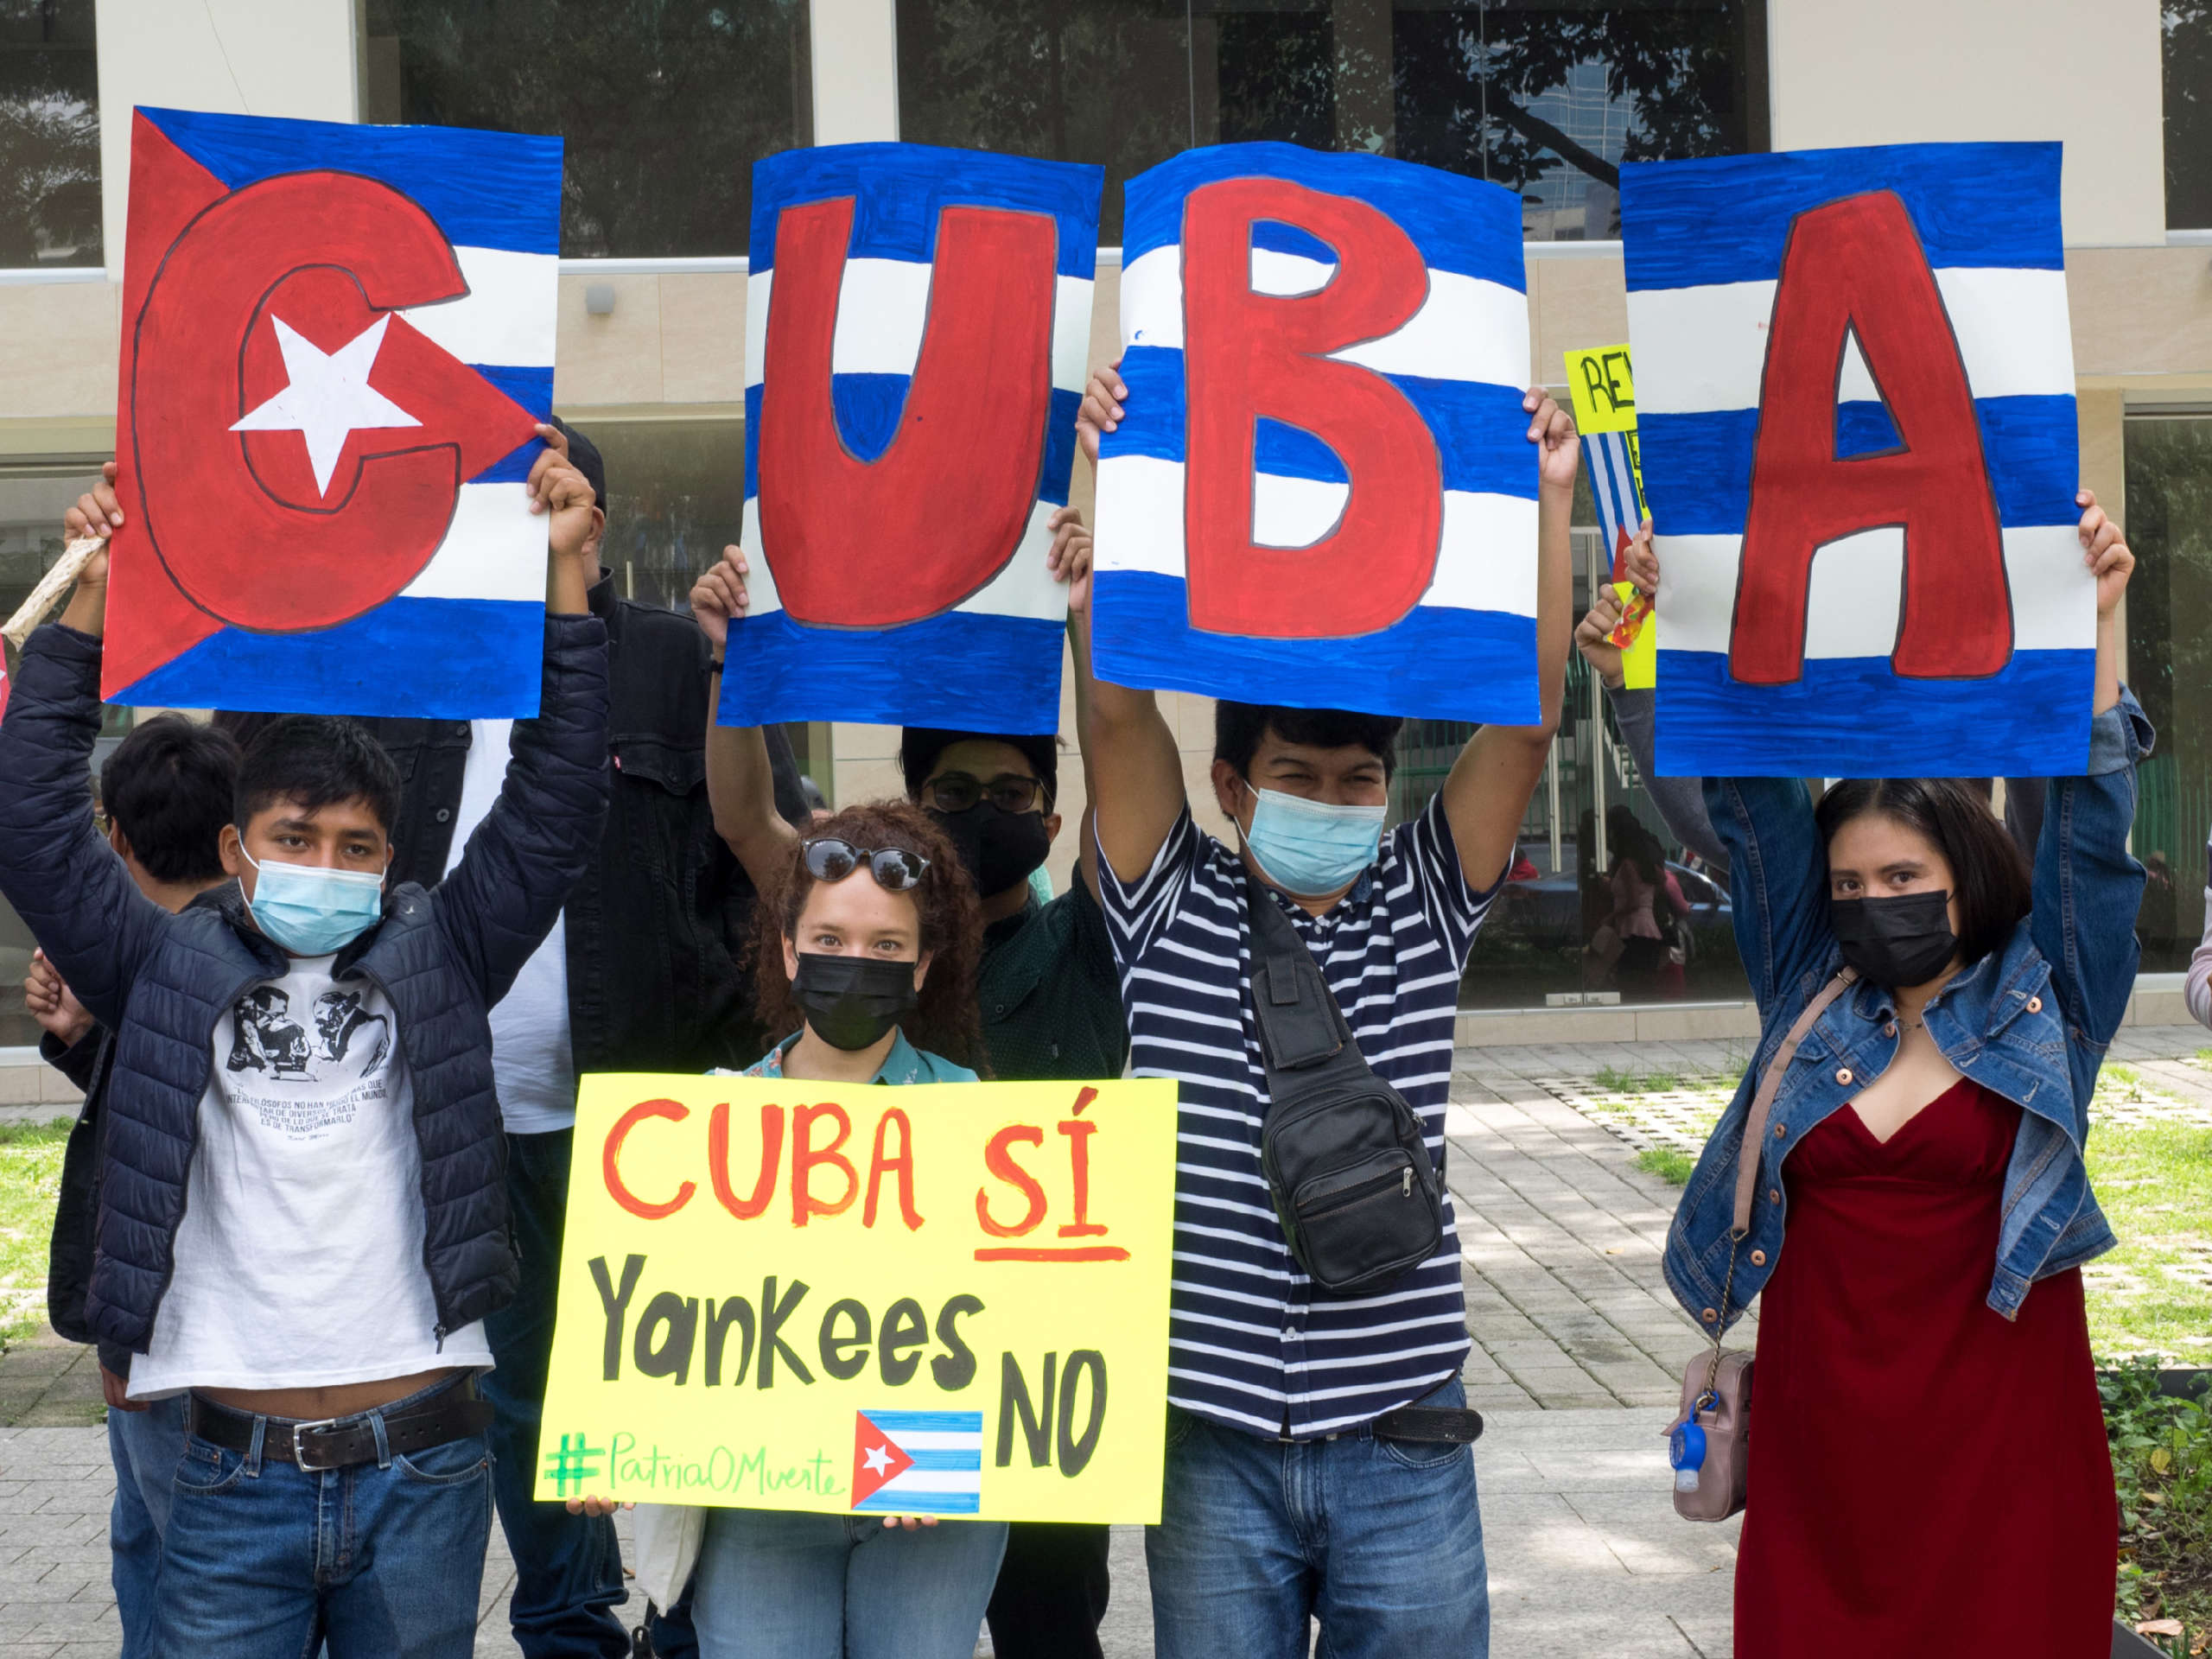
[1604,391]
[950,1299]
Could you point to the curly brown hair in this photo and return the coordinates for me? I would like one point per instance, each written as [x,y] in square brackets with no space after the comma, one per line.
[945,1020]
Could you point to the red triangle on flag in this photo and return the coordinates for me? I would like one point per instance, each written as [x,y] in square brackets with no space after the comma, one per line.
[877,1459]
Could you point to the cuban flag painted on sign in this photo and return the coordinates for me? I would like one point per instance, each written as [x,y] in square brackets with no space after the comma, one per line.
[918,1462]
[1611,472]
[337,342]
[1854,377]
[918,327]
[1322,494]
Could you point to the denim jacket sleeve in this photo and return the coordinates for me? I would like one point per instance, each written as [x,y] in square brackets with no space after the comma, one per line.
[1681,801]
[541,833]
[1777,877]
[66,883]
[2087,887]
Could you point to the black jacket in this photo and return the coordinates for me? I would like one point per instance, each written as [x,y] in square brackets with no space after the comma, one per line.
[657,928]
[161,982]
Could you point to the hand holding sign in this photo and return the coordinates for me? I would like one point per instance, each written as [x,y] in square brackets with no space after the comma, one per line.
[940,1300]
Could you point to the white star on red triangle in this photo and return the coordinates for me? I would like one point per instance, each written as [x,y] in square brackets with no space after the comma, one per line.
[329,396]
[877,1460]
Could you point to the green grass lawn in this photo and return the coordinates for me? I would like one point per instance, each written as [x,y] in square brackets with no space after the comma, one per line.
[30,1185]
[2154,1182]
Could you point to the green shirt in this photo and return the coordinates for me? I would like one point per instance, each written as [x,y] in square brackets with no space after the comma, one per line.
[1052,1000]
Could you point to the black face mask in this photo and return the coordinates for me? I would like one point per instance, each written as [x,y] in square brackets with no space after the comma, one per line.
[850,1001]
[1000,848]
[1906,940]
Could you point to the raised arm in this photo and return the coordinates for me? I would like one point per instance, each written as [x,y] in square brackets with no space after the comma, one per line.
[1486,795]
[741,779]
[1777,879]
[542,831]
[2088,887]
[1130,760]
[1069,561]
[66,883]
[1681,801]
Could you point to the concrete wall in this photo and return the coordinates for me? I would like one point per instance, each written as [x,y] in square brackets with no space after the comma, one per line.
[235,57]
[1886,72]
[1910,71]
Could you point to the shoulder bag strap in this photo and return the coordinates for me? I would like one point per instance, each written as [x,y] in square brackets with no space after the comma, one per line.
[1747,1153]
[1301,1026]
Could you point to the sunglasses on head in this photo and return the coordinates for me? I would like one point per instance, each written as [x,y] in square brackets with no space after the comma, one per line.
[894,868]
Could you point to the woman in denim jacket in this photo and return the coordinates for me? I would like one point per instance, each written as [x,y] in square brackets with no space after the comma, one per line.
[1928,1466]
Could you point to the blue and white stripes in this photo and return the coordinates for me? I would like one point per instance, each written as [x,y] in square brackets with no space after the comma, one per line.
[1004,638]
[476,608]
[1704,243]
[1466,649]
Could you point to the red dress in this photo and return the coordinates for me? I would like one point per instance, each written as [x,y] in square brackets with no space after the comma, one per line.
[1926,1478]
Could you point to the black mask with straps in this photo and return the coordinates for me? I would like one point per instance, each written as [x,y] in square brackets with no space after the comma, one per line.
[850,1001]
[1902,940]
[999,848]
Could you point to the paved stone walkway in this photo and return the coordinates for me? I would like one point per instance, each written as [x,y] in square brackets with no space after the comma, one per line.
[1579,1348]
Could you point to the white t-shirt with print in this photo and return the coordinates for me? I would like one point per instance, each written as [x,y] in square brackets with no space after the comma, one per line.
[299,1262]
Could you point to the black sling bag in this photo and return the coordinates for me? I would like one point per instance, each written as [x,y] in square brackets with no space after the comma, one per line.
[1346,1162]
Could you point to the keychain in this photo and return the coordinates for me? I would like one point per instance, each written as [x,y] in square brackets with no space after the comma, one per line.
[1686,1451]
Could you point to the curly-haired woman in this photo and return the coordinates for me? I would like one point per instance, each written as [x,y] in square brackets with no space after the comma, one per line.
[865,940]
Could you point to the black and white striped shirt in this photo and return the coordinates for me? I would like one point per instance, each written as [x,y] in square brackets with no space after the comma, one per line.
[1250,1343]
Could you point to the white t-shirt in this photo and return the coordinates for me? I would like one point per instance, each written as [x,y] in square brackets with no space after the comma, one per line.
[299,1262]
[530,1057]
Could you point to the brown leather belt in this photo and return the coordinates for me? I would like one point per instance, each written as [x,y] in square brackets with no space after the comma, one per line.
[315,1445]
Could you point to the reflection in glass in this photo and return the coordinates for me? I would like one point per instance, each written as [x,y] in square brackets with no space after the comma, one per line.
[2169,496]
[665,104]
[49,134]
[675,498]
[1105,81]
[1546,97]
[2188,114]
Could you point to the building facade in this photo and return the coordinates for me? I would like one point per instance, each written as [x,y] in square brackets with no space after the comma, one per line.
[667,104]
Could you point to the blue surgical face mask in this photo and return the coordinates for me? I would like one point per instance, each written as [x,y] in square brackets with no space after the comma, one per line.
[309,911]
[1309,848]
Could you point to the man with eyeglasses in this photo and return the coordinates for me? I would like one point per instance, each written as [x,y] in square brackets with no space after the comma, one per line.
[1050,997]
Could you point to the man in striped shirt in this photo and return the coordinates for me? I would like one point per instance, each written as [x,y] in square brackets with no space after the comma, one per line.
[1298,1485]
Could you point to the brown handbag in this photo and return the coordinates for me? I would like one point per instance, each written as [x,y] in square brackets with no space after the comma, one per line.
[1710,1440]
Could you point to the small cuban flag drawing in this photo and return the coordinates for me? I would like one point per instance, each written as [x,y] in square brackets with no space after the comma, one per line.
[337,345]
[918,1462]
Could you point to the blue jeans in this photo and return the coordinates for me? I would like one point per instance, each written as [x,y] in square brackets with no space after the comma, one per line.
[567,1567]
[1379,1539]
[146,1448]
[383,1560]
[776,1584]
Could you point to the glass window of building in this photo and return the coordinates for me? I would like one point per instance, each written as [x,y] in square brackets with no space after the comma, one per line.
[2169,517]
[49,135]
[2188,114]
[665,104]
[1546,97]
[675,498]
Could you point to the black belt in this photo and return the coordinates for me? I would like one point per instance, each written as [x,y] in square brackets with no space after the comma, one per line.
[324,1443]
[1431,1425]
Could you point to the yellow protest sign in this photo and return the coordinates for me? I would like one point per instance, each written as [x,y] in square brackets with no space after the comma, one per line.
[950,1299]
[1604,391]
[1637,635]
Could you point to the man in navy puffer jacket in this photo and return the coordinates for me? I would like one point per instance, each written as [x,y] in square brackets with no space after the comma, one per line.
[302,1219]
